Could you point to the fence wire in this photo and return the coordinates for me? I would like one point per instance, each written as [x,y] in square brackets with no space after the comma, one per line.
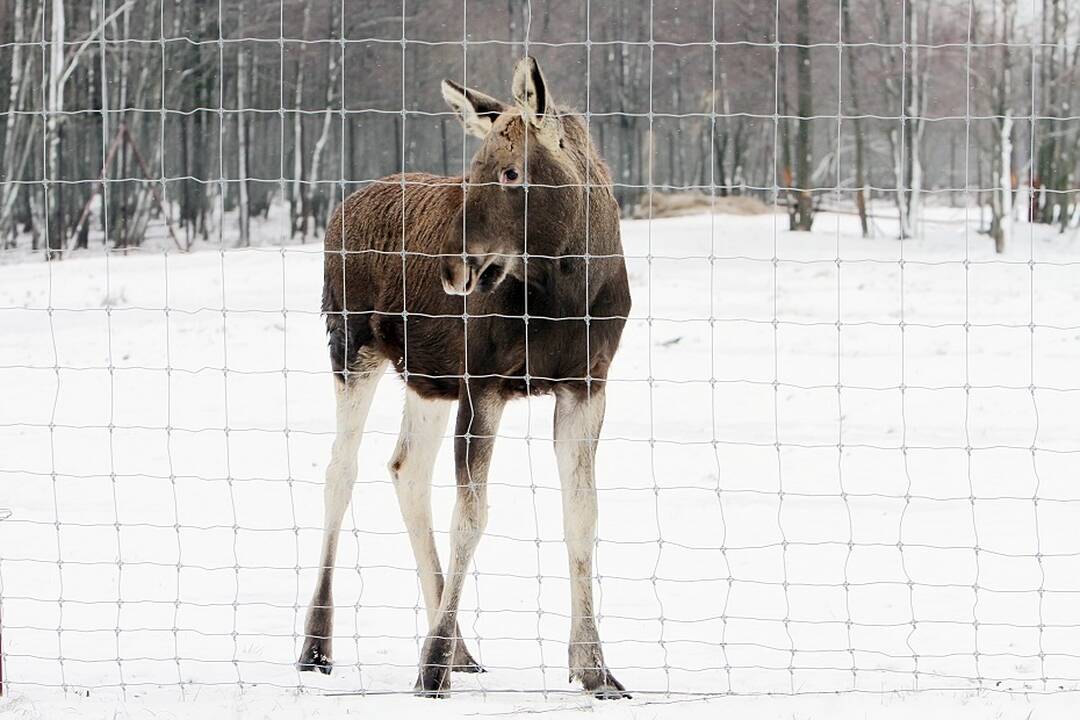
[834,461]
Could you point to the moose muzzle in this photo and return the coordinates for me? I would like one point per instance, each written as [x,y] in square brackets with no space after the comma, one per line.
[462,276]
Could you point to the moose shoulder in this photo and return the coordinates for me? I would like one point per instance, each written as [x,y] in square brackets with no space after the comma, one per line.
[506,281]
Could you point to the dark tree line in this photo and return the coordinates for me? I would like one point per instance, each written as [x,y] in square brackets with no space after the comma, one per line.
[199,116]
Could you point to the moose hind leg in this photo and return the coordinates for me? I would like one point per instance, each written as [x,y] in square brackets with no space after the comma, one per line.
[423,423]
[577,426]
[354,391]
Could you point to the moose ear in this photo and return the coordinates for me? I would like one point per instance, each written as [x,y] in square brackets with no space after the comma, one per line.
[476,111]
[530,90]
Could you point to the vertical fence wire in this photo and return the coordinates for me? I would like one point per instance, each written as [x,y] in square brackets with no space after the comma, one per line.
[750,600]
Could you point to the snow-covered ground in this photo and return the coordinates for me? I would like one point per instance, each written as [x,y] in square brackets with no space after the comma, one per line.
[777,515]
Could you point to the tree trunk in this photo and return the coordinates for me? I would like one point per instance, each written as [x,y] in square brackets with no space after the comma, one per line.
[1001,197]
[919,78]
[243,209]
[298,209]
[1001,202]
[9,188]
[16,152]
[324,135]
[787,175]
[860,143]
[54,196]
[803,219]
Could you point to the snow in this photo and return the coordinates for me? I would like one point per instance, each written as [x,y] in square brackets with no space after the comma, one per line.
[761,530]
[559,706]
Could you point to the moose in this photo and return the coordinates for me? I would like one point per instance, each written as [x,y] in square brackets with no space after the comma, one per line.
[482,288]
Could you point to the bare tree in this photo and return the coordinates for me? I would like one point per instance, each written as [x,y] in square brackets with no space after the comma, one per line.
[194,130]
[802,210]
[55,107]
[1058,150]
[17,127]
[720,130]
[243,208]
[298,212]
[331,85]
[860,141]
[1001,141]
[910,95]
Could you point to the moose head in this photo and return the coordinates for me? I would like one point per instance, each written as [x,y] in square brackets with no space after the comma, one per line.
[525,183]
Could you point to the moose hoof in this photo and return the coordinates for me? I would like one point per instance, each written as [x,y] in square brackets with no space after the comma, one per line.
[464,662]
[315,657]
[434,678]
[587,665]
[603,685]
[433,682]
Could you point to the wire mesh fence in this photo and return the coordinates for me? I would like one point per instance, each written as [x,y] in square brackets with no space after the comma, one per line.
[840,439]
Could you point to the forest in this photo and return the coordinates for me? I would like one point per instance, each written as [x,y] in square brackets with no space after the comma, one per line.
[122,119]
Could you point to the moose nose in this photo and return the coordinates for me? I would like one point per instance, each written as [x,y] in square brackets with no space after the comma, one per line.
[458,276]
[510,176]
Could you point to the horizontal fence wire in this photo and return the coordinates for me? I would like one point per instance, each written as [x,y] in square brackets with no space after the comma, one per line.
[840,441]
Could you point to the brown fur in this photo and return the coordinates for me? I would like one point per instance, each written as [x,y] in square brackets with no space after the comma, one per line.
[366,278]
[531,235]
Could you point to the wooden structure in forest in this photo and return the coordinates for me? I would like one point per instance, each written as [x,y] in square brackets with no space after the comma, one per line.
[124,136]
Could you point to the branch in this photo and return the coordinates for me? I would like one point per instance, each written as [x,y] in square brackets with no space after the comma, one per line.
[73,62]
[378,21]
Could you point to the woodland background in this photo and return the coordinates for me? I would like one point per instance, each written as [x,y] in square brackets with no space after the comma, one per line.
[201,114]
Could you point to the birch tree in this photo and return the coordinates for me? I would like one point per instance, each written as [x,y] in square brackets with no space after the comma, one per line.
[910,96]
[1001,197]
[55,107]
[1057,154]
[852,77]
[17,127]
[802,212]
[243,208]
[298,212]
[721,129]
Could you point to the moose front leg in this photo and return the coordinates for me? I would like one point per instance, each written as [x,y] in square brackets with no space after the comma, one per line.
[578,418]
[479,410]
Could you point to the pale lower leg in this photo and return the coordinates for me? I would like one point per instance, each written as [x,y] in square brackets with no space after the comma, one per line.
[479,412]
[577,425]
[438,653]
[422,426]
[354,397]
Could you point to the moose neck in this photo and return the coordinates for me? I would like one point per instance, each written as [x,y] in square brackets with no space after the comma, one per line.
[572,238]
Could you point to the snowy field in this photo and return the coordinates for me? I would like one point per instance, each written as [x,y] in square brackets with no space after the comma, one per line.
[776,514]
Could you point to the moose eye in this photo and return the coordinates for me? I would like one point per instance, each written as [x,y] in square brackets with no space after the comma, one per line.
[509,175]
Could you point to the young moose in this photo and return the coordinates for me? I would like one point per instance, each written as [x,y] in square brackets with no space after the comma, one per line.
[528,245]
